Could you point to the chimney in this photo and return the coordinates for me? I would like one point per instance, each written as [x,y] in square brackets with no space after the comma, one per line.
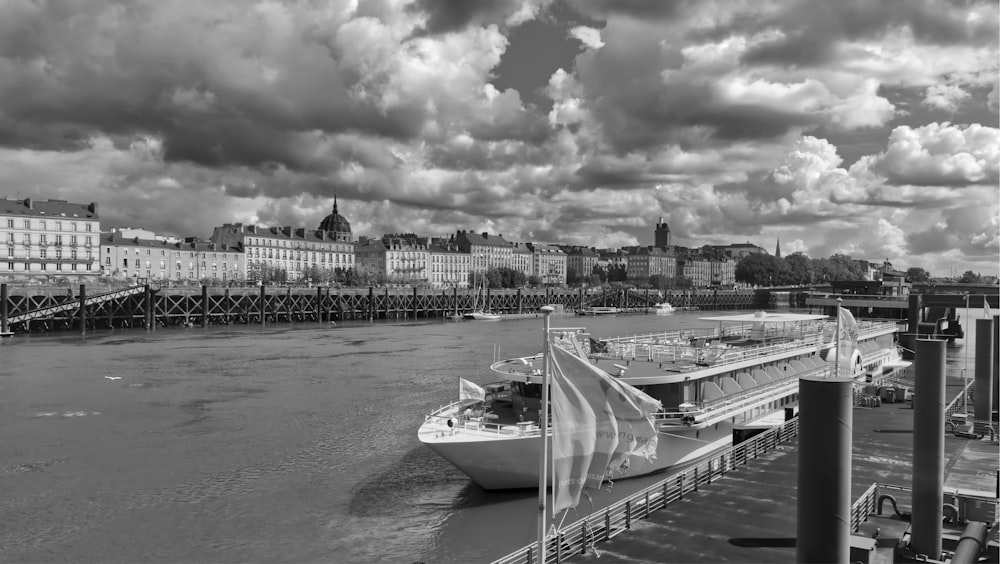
[28,204]
[486,235]
[92,208]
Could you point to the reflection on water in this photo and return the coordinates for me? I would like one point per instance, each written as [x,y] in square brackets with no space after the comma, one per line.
[281,444]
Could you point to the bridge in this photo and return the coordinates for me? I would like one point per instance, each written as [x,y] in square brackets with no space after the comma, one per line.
[51,311]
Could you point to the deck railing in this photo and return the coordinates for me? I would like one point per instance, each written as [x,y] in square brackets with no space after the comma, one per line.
[603,525]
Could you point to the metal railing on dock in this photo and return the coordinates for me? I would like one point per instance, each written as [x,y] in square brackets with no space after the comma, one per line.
[603,525]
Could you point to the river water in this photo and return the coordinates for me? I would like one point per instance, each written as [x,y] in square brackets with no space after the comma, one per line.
[289,443]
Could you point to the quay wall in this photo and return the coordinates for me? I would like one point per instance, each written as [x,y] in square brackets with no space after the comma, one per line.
[33,309]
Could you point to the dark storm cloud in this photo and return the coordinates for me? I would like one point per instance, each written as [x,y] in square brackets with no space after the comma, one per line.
[813,29]
[641,9]
[445,16]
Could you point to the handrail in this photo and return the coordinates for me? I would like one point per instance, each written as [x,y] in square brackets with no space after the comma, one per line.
[582,535]
[73,304]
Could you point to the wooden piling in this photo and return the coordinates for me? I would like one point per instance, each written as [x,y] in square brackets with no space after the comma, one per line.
[454,293]
[147,308]
[4,326]
[288,304]
[204,305]
[262,303]
[319,304]
[226,306]
[414,303]
[83,309]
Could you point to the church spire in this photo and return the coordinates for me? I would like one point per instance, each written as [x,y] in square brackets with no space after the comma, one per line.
[777,248]
[334,203]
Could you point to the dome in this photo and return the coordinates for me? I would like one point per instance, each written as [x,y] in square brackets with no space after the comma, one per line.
[337,224]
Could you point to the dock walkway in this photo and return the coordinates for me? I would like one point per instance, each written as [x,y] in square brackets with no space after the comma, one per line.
[749,515]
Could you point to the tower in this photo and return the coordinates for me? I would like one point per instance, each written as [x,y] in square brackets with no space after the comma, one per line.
[337,224]
[661,237]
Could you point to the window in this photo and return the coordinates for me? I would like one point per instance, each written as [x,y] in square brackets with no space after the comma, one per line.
[58,266]
[124,262]
[42,253]
[10,236]
[58,226]
[107,261]
[72,266]
[27,224]
[163,253]
[73,228]
[59,240]
[10,266]
[43,224]
[89,230]
[10,251]
[41,239]
[10,224]
[72,240]
[58,253]
[72,254]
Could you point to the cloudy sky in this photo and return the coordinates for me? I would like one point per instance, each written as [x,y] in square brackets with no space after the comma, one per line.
[855,126]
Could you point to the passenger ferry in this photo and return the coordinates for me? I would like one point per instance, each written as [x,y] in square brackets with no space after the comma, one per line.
[713,383]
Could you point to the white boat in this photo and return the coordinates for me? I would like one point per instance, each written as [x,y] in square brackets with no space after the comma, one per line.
[741,374]
[478,312]
[480,315]
[598,310]
[662,308]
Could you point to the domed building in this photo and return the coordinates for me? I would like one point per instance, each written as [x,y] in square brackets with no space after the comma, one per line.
[337,225]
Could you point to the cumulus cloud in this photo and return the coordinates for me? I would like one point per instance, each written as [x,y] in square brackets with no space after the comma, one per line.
[589,36]
[945,96]
[724,118]
[939,154]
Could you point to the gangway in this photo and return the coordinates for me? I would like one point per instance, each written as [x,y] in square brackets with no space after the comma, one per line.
[50,311]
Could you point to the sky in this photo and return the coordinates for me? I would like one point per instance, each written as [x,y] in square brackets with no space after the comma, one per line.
[862,127]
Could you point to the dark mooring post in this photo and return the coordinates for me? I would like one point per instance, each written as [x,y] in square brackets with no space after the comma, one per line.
[454,296]
[288,304]
[227,306]
[928,448]
[414,302]
[262,303]
[147,307]
[985,342]
[319,304]
[824,471]
[4,327]
[520,309]
[204,305]
[83,309]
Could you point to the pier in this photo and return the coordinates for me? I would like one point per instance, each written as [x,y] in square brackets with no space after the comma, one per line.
[27,309]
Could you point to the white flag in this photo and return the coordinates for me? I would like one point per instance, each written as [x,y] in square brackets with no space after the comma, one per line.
[470,391]
[598,423]
[848,326]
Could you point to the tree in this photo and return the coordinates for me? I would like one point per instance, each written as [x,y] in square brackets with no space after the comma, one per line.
[799,268]
[572,276]
[969,277]
[917,274]
[759,269]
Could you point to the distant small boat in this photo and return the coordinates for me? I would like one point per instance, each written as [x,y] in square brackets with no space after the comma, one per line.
[598,310]
[113,377]
[481,316]
[664,307]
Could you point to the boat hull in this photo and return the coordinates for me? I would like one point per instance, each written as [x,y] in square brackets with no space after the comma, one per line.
[512,462]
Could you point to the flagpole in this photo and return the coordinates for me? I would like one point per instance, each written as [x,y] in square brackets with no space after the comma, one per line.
[836,359]
[544,425]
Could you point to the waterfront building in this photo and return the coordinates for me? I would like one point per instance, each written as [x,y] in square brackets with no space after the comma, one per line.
[49,238]
[644,262]
[292,250]
[169,258]
[706,272]
[580,260]
[548,263]
[449,265]
[612,259]
[406,257]
[522,260]
[486,251]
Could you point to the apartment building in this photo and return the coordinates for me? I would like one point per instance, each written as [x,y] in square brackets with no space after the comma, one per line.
[286,248]
[167,258]
[49,238]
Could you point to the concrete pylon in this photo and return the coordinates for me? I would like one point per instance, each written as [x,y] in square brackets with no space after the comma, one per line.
[985,342]
[826,420]
[928,448]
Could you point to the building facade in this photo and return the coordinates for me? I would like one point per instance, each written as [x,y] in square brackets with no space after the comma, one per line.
[486,251]
[293,250]
[645,262]
[548,263]
[156,258]
[580,260]
[49,238]
[450,267]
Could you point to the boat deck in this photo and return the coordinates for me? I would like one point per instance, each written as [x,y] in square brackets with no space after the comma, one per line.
[750,514]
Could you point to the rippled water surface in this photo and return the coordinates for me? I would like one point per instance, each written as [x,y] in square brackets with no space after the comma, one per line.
[291,443]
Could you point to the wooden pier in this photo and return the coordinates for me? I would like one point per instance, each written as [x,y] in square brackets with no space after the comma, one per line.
[148,306]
